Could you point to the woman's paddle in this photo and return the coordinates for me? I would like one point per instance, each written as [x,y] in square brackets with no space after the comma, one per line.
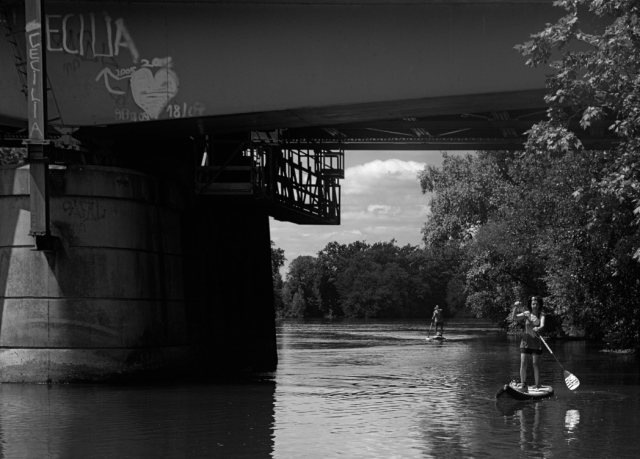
[571,380]
[429,334]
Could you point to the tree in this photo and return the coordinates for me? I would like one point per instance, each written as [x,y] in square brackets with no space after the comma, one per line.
[597,74]
[300,291]
[332,260]
[464,193]
[488,236]
[363,280]
[456,296]
[277,262]
[298,304]
[539,237]
[369,289]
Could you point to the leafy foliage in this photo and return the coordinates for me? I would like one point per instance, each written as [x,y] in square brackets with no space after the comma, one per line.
[300,292]
[363,280]
[12,155]
[596,71]
[594,55]
[539,236]
[277,262]
[558,220]
[463,198]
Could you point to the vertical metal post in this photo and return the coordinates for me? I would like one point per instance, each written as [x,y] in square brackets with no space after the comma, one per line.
[37,123]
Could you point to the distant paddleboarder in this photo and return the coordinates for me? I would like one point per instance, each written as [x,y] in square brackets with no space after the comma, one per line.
[437,318]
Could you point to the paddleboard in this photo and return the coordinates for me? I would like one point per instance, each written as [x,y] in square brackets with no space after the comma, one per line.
[513,391]
[436,338]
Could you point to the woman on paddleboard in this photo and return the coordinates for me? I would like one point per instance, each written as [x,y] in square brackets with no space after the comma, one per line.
[530,345]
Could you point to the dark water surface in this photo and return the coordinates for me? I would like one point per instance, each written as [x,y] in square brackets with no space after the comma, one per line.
[347,389]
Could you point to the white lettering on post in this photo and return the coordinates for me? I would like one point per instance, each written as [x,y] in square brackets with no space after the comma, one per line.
[34,44]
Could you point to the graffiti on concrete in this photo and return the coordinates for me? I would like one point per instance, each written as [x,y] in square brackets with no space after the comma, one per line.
[151,92]
[66,43]
[36,114]
[180,111]
[153,83]
[84,209]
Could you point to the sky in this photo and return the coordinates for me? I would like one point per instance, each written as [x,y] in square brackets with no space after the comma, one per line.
[381,200]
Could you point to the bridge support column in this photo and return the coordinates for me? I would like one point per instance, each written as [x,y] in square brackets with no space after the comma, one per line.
[232,267]
[109,302]
[143,281]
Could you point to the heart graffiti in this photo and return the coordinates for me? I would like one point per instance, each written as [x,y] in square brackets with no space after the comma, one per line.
[152,92]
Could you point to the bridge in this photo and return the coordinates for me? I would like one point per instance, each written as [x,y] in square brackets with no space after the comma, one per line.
[163,134]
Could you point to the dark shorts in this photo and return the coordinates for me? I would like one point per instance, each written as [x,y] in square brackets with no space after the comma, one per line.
[524,350]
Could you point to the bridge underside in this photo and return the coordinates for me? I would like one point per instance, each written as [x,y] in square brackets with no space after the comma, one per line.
[476,122]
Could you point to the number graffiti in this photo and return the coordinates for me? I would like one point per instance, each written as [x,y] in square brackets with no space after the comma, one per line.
[172,110]
[181,111]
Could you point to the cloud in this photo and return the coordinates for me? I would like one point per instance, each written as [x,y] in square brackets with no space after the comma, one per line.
[370,177]
[378,208]
[354,215]
[381,209]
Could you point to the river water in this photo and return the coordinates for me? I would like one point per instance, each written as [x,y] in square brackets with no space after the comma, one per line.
[346,389]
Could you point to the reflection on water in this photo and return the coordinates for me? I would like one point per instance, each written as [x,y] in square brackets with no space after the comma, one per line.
[572,419]
[353,389]
[177,421]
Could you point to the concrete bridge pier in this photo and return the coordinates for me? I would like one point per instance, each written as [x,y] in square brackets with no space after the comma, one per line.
[109,301]
[146,280]
[230,270]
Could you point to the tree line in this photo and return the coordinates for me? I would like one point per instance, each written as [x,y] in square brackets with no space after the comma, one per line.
[381,280]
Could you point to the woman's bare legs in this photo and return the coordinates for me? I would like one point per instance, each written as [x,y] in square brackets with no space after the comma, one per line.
[536,369]
[524,361]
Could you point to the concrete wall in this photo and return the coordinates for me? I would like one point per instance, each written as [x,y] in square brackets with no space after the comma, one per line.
[110,301]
